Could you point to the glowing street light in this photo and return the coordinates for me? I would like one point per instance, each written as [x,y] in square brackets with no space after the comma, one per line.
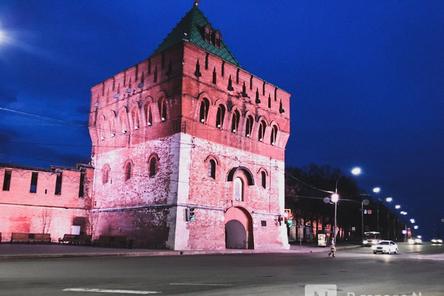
[335,197]
[389,199]
[397,207]
[415,227]
[356,171]
[376,189]
[2,36]
[412,221]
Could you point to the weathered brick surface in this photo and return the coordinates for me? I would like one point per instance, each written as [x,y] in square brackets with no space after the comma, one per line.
[42,211]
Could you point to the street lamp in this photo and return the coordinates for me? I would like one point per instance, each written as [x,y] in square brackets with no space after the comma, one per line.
[356,171]
[376,189]
[415,227]
[397,207]
[412,221]
[335,199]
[389,199]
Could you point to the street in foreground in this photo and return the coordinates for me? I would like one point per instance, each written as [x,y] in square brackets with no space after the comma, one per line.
[355,271]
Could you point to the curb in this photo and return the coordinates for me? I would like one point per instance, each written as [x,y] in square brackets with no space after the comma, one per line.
[168,253]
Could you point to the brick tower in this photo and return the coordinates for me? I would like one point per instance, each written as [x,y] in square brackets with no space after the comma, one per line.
[189,148]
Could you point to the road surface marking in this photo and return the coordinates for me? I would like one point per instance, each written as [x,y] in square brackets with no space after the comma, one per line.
[86,290]
[200,284]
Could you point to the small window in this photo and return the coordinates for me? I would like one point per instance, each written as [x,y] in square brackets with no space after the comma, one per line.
[135,118]
[82,185]
[273,137]
[264,179]
[261,134]
[235,122]
[7,180]
[204,107]
[212,169]
[128,171]
[58,184]
[163,110]
[123,122]
[153,164]
[220,117]
[105,174]
[148,115]
[238,191]
[249,126]
[263,223]
[34,179]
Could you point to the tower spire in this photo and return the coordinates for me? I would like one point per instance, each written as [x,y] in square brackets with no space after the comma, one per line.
[196,2]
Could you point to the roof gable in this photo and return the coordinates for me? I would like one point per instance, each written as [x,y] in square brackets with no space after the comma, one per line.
[190,28]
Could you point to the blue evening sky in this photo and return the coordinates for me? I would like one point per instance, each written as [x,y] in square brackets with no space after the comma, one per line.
[367,79]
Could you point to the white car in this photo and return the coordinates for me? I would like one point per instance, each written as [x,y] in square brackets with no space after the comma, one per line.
[436,241]
[385,247]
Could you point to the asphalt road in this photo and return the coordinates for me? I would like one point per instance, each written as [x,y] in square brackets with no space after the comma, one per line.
[355,271]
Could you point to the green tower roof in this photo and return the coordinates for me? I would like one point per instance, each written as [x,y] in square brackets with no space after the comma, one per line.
[190,28]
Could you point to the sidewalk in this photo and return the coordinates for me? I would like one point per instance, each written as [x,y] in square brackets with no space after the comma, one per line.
[29,251]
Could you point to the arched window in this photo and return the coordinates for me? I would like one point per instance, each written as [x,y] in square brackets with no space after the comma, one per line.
[163,110]
[249,126]
[261,133]
[235,121]
[105,174]
[212,169]
[135,118]
[148,115]
[238,190]
[102,128]
[264,179]
[128,171]
[273,137]
[220,117]
[204,107]
[153,165]
[123,122]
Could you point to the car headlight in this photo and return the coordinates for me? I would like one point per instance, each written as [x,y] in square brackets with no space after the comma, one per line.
[434,240]
[411,241]
[374,247]
[365,242]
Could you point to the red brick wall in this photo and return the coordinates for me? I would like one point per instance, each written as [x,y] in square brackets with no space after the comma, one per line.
[43,211]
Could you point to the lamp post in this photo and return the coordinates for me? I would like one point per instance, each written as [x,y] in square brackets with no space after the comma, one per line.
[335,200]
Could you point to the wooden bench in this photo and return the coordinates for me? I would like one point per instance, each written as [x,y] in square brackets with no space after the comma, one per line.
[113,242]
[75,239]
[30,238]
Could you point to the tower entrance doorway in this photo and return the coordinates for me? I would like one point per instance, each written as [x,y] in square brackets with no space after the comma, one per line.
[238,229]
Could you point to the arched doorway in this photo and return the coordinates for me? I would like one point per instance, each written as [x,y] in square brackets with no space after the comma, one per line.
[238,229]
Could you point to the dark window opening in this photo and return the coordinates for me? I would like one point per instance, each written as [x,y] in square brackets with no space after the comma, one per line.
[128,171]
[249,126]
[58,185]
[155,74]
[251,82]
[273,137]
[235,122]
[7,180]
[223,69]
[212,169]
[82,184]
[264,179]
[153,166]
[105,175]
[214,76]
[34,179]
[197,72]
[163,110]
[262,127]
[206,61]
[237,76]
[204,107]
[220,117]
[263,223]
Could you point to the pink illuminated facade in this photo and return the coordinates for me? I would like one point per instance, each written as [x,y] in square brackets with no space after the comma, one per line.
[188,149]
[54,201]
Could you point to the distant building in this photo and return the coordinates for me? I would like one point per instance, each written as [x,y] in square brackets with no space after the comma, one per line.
[188,148]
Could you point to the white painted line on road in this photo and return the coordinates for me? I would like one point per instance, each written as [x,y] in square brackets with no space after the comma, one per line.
[201,284]
[133,292]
